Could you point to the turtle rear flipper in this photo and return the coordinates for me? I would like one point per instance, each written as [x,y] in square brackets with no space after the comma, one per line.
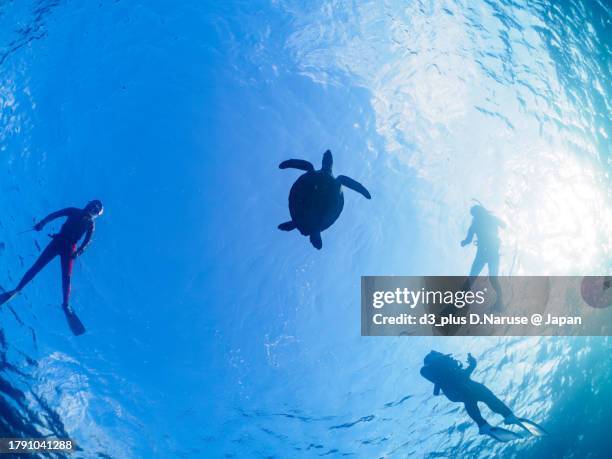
[287,226]
[315,240]
[354,185]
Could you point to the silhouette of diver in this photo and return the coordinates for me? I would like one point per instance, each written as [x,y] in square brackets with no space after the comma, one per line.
[79,223]
[454,380]
[485,226]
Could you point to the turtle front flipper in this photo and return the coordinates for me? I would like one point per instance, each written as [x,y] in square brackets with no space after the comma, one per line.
[296,164]
[353,185]
[287,226]
[315,240]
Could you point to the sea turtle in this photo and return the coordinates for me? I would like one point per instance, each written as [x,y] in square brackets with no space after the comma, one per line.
[316,199]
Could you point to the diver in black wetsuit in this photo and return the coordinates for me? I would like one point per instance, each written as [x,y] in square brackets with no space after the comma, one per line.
[79,223]
[454,380]
[485,226]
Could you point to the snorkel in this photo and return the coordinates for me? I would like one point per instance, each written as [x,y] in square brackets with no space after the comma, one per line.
[94,208]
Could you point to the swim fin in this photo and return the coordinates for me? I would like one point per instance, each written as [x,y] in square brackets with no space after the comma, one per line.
[499,433]
[6,296]
[534,429]
[75,324]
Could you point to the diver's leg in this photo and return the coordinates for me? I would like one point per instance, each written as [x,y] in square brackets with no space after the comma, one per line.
[486,396]
[477,265]
[50,252]
[67,262]
[75,324]
[484,428]
[493,263]
[474,412]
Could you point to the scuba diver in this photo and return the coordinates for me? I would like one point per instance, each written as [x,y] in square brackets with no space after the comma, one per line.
[485,226]
[454,380]
[79,223]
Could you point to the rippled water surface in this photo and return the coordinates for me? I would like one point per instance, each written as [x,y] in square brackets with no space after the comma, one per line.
[213,334]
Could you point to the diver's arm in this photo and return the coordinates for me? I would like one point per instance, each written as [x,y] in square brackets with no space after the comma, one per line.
[85,242]
[52,216]
[436,389]
[471,365]
[469,237]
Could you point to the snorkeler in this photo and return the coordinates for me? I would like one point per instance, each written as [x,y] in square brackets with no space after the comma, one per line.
[454,380]
[485,226]
[79,223]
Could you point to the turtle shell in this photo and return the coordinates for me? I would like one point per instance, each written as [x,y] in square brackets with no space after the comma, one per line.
[315,202]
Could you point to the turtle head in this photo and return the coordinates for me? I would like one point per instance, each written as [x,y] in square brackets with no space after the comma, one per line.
[328,161]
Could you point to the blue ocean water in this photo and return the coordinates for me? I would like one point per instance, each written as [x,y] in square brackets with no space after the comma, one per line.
[213,334]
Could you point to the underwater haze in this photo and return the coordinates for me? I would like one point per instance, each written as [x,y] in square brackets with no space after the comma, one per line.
[210,333]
